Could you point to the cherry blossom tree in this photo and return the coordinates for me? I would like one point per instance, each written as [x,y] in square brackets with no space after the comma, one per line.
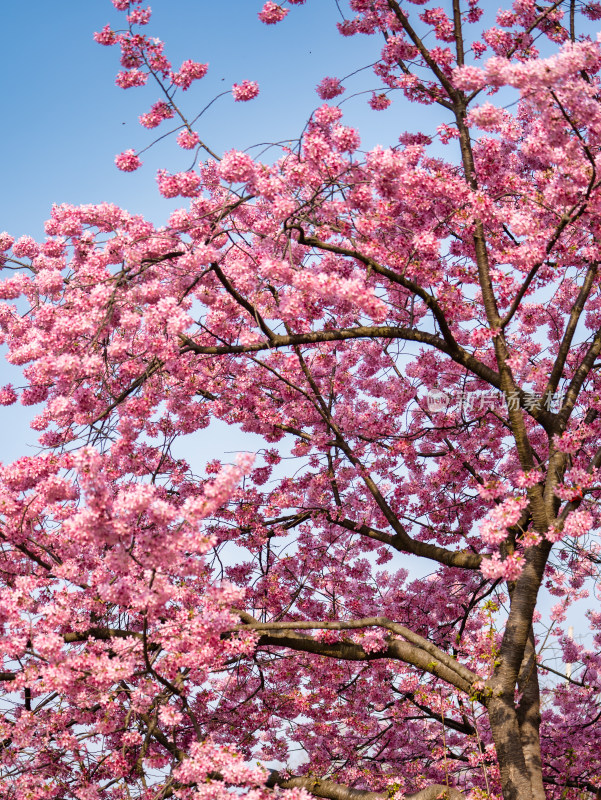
[354,611]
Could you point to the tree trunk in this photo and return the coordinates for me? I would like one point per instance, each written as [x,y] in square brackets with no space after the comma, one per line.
[515,780]
[528,714]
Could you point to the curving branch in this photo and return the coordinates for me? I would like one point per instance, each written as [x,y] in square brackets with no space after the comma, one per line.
[580,376]
[322,787]
[570,330]
[276,341]
[411,648]
[401,541]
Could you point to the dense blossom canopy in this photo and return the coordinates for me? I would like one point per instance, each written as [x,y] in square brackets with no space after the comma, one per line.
[351,612]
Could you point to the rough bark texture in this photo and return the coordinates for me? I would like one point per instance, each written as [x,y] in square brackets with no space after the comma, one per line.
[529,719]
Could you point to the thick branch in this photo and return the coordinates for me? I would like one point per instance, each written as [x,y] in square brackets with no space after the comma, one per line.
[577,381]
[103,634]
[322,787]
[423,50]
[415,650]
[316,337]
[529,718]
[566,342]
[401,541]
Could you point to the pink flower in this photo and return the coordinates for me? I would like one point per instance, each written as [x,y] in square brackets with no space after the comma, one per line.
[187,139]
[577,523]
[571,441]
[469,78]
[188,183]
[443,27]
[6,241]
[379,102]
[244,91]
[158,112]
[8,396]
[236,167]
[170,716]
[168,185]
[106,36]
[188,72]
[49,281]
[325,115]
[527,479]
[447,132]
[245,461]
[185,184]
[329,88]
[347,140]
[478,47]
[494,529]
[139,16]
[590,10]
[128,161]
[129,78]
[272,13]
[494,569]
[25,247]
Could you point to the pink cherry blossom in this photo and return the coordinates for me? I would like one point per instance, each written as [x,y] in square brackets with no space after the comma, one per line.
[24,247]
[106,36]
[329,88]
[130,78]
[236,167]
[272,13]
[158,112]
[408,336]
[6,241]
[247,90]
[8,396]
[128,161]
[189,72]
[379,102]
[187,139]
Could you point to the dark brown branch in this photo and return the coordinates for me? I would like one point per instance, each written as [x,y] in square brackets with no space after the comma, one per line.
[465,559]
[423,50]
[577,381]
[27,552]
[460,727]
[226,283]
[315,337]
[541,17]
[394,277]
[103,634]
[153,367]
[566,341]
[452,348]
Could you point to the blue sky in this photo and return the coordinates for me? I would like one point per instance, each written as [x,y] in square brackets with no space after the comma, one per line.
[66,119]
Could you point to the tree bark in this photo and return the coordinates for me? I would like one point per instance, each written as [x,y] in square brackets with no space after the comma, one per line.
[528,714]
[336,791]
[505,729]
